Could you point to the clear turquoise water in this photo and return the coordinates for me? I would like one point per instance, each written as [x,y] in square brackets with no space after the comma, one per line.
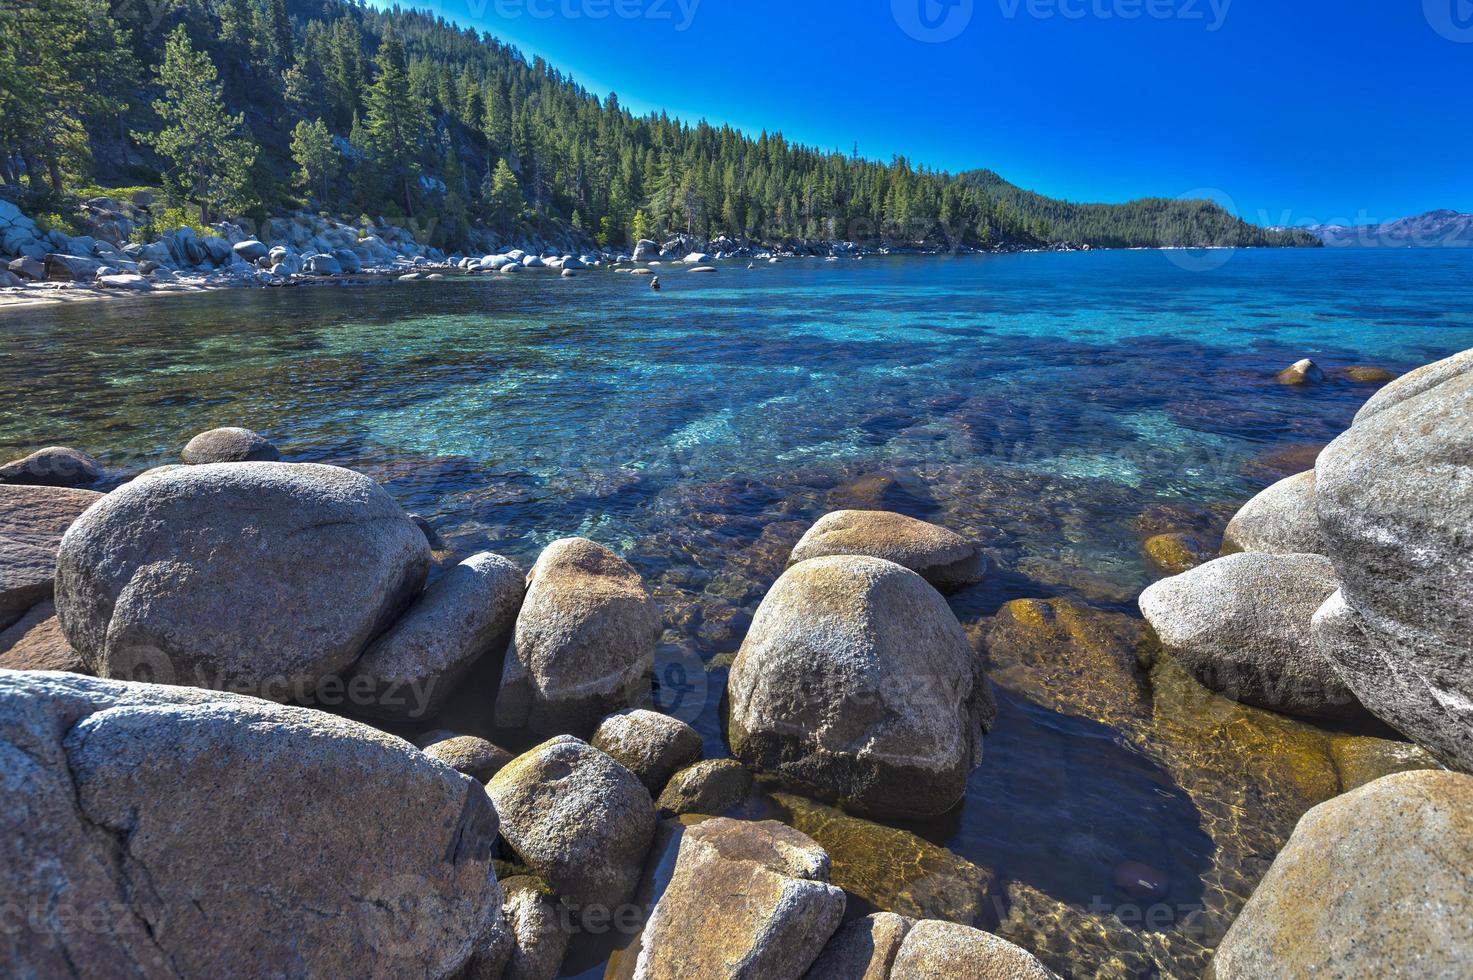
[1041,403]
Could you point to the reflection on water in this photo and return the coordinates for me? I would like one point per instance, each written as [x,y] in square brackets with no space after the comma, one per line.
[1056,407]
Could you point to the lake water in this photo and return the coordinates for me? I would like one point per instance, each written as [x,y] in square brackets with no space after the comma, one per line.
[1057,407]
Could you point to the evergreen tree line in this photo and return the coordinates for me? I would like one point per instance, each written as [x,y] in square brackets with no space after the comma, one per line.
[256,106]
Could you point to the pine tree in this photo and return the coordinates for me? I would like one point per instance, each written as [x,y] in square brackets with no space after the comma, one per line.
[316,156]
[280,26]
[505,202]
[210,160]
[396,121]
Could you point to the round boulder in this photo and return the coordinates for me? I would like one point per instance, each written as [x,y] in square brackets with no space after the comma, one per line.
[584,643]
[202,834]
[1241,626]
[229,445]
[942,557]
[54,466]
[711,786]
[262,578]
[581,822]
[650,745]
[1281,520]
[1373,883]
[856,681]
[932,948]
[475,757]
[412,669]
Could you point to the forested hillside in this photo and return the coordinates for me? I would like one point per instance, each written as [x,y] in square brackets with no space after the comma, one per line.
[259,106]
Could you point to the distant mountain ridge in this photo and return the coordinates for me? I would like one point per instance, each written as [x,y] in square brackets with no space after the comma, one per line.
[1443,228]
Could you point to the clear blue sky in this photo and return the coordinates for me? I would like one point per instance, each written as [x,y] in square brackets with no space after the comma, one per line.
[1293,110]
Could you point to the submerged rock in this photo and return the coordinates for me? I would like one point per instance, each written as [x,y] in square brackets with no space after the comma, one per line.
[229,445]
[413,668]
[650,745]
[1362,374]
[217,834]
[1070,658]
[1394,495]
[581,822]
[320,560]
[941,557]
[1280,520]
[584,644]
[32,522]
[893,869]
[1241,626]
[468,754]
[1372,884]
[1177,552]
[54,466]
[712,787]
[856,681]
[774,913]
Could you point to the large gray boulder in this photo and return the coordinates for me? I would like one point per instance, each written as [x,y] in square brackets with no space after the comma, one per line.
[255,577]
[1395,493]
[748,901]
[1373,883]
[942,557]
[229,444]
[79,268]
[32,522]
[650,745]
[170,832]
[1415,383]
[581,822]
[414,667]
[856,681]
[584,644]
[1281,520]
[1241,626]
[54,466]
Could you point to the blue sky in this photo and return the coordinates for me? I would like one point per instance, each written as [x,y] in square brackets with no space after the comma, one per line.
[1290,110]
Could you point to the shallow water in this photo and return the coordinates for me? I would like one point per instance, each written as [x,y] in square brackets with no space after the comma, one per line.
[1041,403]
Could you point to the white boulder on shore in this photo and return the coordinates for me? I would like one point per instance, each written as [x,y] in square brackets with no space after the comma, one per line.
[1394,494]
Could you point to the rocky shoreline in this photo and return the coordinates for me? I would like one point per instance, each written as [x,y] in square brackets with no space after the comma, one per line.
[207,671]
[304,248]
